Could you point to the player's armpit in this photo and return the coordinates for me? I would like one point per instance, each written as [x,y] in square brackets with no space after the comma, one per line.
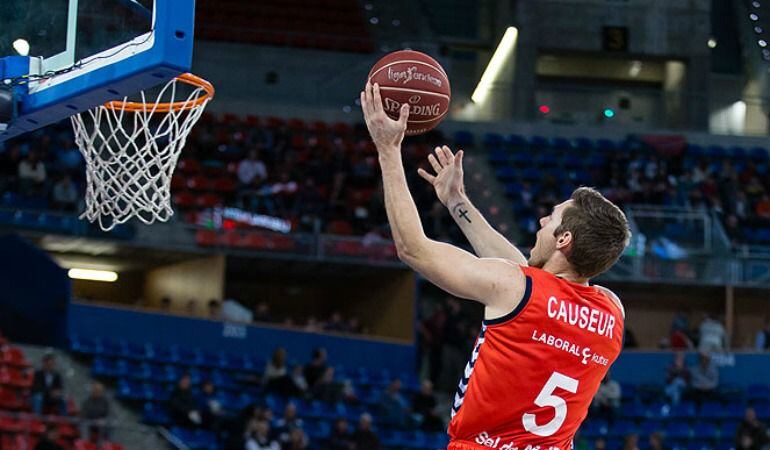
[497,283]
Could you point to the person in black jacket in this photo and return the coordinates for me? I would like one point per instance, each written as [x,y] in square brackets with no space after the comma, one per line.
[50,439]
[48,389]
[364,438]
[182,405]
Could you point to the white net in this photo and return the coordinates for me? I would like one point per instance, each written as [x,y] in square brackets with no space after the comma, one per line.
[131,150]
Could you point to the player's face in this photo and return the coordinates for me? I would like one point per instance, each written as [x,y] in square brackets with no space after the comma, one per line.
[545,244]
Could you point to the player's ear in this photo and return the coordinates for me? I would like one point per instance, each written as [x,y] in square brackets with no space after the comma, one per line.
[564,240]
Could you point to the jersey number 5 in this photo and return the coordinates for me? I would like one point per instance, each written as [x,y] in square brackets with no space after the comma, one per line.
[546,397]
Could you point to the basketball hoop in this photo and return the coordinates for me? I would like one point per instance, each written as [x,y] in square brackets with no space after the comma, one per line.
[131,150]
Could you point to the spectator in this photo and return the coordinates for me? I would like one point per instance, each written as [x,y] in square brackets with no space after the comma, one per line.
[607,399]
[631,442]
[182,406]
[50,439]
[191,309]
[424,407]
[751,433]
[210,407]
[326,389]
[65,195]
[677,378]
[600,444]
[712,335]
[762,341]
[215,310]
[165,304]
[705,379]
[335,323]
[262,313]
[316,367]
[47,388]
[258,437]
[96,410]
[656,441]
[9,168]
[297,440]
[276,371]
[287,423]
[32,175]
[340,438]
[252,172]
[349,395]
[364,438]
[393,405]
[299,385]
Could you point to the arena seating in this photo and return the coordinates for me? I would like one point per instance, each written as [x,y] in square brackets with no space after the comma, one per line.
[328,24]
[19,428]
[145,374]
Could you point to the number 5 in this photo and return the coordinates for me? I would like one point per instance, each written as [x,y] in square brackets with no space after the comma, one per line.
[547,398]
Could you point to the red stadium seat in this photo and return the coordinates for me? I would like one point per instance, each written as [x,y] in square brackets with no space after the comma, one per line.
[178,181]
[85,445]
[189,166]
[206,238]
[297,125]
[224,185]
[208,201]
[198,183]
[111,446]
[185,200]
[9,400]
[23,442]
[340,227]
[12,376]
[13,356]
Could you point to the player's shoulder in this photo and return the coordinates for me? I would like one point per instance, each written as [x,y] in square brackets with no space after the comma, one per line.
[612,296]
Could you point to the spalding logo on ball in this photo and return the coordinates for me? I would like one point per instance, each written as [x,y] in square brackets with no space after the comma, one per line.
[415,78]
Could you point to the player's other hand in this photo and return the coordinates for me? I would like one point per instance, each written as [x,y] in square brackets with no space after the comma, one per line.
[448,181]
[386,133]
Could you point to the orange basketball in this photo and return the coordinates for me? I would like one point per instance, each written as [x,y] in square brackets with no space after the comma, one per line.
[417,79]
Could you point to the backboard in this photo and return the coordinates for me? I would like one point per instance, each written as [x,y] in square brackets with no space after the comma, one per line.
[61,57]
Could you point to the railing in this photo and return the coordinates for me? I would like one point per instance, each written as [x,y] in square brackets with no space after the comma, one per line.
[676,233]
[703,256]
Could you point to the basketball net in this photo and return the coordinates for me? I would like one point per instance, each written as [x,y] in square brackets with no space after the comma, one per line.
[131,150]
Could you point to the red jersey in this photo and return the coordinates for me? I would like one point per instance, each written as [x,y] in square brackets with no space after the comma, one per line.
[534,372]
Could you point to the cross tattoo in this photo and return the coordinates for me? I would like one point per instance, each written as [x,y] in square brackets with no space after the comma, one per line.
[463,213]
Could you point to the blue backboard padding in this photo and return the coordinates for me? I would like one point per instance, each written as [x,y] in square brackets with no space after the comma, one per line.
[170,55]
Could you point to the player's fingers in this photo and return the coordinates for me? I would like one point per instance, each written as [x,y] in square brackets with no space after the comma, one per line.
[426,176]
[403,115]
[433,163]
[459,158]
[442,157]
[364,106]
[448,152]
[377,99]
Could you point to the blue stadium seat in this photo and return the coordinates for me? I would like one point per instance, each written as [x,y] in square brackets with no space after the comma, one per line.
[711,410]
[623,427]
[492,140]
[506,173]
[678,430]
[521,159]
[516,141]
[573,161]
[561,143]
[728,430]
[539,142]
[705,430]
[650,426]
[715,151]
[737,152]
[633,410]
[583,143]
[606,145]
[758,154]
[758,392]
[699,445]
[155,414]
[595,428]
[196,439]
[463,138]
[499,156]
[762,409]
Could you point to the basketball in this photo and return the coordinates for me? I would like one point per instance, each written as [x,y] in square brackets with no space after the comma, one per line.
[416,78]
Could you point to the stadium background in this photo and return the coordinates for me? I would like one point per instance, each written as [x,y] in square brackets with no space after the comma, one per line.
[662,105]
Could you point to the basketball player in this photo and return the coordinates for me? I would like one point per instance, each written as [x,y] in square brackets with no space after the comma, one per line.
[548,338]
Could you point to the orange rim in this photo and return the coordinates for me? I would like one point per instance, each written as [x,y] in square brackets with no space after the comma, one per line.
[186,78]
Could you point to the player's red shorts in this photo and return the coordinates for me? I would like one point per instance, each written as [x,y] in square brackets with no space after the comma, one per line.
[462,445]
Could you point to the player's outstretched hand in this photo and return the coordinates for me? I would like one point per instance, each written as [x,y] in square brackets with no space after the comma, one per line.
[448,181]
[386,133]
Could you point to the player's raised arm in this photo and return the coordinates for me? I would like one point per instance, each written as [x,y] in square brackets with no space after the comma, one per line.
[497,283]
[450,189]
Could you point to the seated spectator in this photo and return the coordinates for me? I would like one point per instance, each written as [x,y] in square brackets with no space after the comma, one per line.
[340,438]
[262,313]
[335,323]
[287,423]
[393,405]
[50,439]
[252,172]
[327,389]
[47,389]
[9,168]
[364,438]
[32,175]
[751,433]
[182,406]
[215,312]
[165,304]
[677,378]
[705,379]
[258,437]
[65,194]
[299,385]
[656,442]
[96,410]
[210,407]
[763,207]
[762,340]
[607,399]
[424,407]
[316,367]
[191,309]
[349,395]
[600,444]
[297,440]
[631,442]
[276,374]
[712,335]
